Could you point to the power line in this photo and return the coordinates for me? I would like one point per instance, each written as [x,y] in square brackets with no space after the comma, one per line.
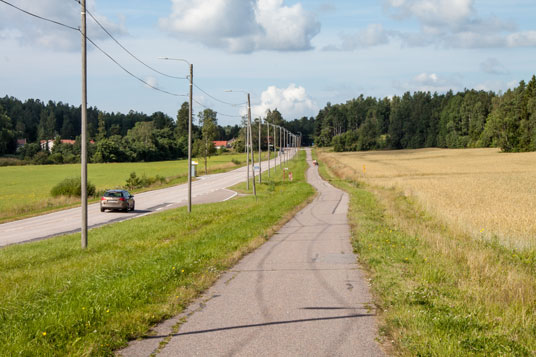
[222,114]
[130,73]
[40,17]
[96,46]
[125,49]
[219,100]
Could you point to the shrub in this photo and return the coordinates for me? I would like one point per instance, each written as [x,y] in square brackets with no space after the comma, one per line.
[72,187]
[133,181]
[236,162]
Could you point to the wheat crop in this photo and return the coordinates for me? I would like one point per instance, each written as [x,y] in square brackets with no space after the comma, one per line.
[482,192]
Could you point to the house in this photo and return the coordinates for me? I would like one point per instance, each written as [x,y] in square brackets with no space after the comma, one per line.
[50,143]
[21,143]
[218,144]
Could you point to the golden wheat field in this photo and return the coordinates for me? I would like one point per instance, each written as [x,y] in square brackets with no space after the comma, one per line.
[482,192]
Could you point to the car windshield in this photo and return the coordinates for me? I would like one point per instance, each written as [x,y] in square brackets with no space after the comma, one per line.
[113,194]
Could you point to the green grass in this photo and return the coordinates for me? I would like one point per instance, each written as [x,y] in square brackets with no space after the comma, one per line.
[25,190]
[438,293]
[57,299]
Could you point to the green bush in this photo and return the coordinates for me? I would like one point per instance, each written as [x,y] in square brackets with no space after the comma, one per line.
[236,162]
[134,181]
[72,187]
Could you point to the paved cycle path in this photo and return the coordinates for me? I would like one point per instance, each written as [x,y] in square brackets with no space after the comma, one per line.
[300,294]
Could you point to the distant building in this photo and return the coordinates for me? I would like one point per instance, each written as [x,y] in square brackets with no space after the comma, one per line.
[50,143]
[221,144]
[21,143]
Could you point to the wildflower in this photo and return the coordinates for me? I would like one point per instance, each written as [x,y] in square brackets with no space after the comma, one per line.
[182,271]
[173,268]
[83,307]
[108,310]
[44,333]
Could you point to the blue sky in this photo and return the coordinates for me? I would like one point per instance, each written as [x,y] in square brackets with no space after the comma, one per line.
[291,55]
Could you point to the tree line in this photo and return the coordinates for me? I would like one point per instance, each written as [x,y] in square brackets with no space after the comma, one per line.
[115,137]
[463,120]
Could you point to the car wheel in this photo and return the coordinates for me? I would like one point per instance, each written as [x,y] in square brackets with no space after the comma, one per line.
[133,205]
[102,209]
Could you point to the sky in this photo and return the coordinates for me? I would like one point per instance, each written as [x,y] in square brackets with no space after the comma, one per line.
[291,55]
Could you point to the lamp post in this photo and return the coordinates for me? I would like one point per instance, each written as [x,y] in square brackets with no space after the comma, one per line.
[189,128]
[268,144]
[260,151]
[83,136]
[250,141]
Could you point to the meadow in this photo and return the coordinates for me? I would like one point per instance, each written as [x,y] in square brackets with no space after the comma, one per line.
[25,190]
[482,192]
[442,289]
[58,299]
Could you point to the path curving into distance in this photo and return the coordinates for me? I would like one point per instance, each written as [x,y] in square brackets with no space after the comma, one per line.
[209,188]
[300,294]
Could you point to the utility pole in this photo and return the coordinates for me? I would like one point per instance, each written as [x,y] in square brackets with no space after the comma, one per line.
[260,151]
[251,143]
[83,154]
[280,148]
[190,111]
[268,143]
[247,150]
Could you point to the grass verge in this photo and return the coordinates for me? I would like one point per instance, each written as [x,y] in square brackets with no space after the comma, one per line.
[25,190]
[440,293]
[60,300]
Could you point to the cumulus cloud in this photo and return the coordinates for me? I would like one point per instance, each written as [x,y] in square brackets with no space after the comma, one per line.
[242,26]
[428,82]
[373,35]
[493,66]
[32,31]
[446,23]
[292,102]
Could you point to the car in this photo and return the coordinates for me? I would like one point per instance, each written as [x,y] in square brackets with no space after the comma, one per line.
[117,200]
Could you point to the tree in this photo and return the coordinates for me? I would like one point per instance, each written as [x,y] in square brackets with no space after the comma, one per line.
[181,129]
[7,134]
[209,130]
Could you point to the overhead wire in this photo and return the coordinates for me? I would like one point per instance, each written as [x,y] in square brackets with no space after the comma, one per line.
[125,49]
[219,100]
[222,114]
[131,74]
[40,17]
[135,57]
[96,46]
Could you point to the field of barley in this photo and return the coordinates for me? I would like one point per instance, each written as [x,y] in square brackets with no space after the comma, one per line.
[483,192]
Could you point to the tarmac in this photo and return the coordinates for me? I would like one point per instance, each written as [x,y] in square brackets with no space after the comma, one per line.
[302,293]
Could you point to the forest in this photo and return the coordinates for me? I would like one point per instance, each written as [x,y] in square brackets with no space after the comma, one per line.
[465,119]
[115,137]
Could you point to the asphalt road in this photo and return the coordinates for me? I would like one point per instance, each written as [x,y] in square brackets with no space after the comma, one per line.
[300,294]
[209,188]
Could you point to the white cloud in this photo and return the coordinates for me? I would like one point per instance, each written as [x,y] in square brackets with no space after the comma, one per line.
[493,66]
[151,81]
[373,35]
[428,82]
[242,26]
[455,24]
[31,31]
[292,102]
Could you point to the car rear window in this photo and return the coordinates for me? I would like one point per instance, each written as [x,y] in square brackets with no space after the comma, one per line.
[113,194]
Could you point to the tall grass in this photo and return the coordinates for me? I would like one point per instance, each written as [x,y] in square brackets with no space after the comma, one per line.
[57,299]
[440,292]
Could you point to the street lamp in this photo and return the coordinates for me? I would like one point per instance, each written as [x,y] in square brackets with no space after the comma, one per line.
[189,128]
[250,141]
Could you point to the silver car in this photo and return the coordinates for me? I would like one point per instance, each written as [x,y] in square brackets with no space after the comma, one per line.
[117,200]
